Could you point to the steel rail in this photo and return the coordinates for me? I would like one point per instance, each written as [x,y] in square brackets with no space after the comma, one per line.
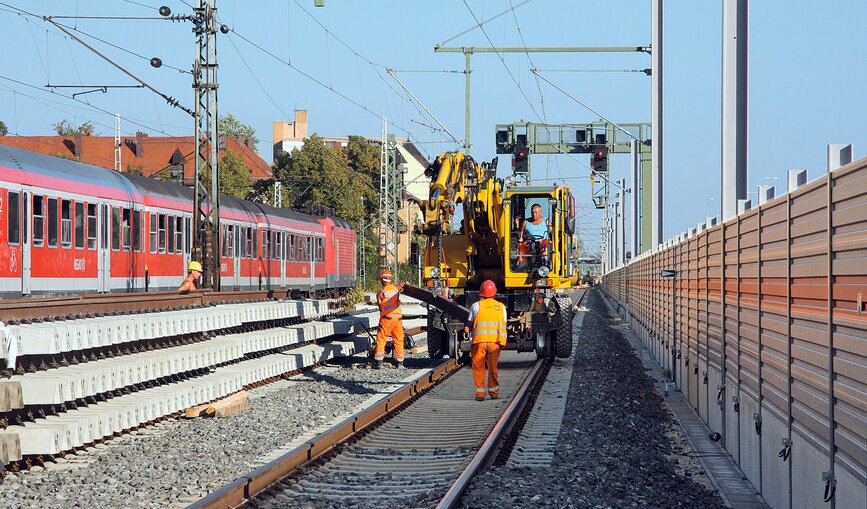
[249,485]
[502,430]
[498,436]
[38,308]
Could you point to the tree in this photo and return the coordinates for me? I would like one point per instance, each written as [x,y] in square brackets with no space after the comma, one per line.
[319,175]
[234,128]
[236,178]
[3,129]
[64,128]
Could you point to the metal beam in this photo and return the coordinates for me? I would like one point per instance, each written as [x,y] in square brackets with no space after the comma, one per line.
[634,210]
[595,49]
[734,105]
[656,118]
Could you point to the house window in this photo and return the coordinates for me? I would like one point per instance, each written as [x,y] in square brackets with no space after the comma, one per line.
[91,226]
[66,223]
[79,225]
[52,222]
[38,221]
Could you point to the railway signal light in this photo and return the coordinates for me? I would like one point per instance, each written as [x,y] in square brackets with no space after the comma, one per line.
[521,162]
[599,161]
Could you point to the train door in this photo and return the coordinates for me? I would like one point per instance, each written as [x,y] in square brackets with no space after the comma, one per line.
[236,260]
[103,250]
[25,243]
[188,239]
[281,256]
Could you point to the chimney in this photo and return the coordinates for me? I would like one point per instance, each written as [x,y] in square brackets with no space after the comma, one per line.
[77,150]
[139,143]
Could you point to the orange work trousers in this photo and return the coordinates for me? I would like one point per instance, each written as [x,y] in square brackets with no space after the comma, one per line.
[486,353]
[390,326]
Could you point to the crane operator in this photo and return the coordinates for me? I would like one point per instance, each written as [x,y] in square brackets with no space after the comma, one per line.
[535,226]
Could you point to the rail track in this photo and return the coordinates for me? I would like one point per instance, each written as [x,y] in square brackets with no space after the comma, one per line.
[419,447]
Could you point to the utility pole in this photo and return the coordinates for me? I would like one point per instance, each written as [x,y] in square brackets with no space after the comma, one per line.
[117,152]
[278,194]
[734,105]
[390,194]
[361,229]
[656,124]
[206,207]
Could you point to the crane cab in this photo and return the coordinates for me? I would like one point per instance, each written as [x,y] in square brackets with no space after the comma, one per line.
[539,242]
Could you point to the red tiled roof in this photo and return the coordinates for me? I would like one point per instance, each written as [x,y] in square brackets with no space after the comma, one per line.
[156,151]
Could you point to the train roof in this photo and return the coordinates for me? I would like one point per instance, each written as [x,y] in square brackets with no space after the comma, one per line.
[61,174]
[32,168]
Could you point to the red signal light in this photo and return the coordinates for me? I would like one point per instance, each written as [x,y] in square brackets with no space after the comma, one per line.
[600,154]
[521,154]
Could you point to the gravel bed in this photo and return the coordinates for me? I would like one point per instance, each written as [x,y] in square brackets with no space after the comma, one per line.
[175,462]
[619,445]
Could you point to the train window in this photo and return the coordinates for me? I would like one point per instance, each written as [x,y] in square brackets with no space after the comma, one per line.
[188,236]
[14,218]
[308,248]
[91,226]
[52,222]
[248,249]
[230,240]
[161,233]
[115,228]
[136,231]
[125,229]
[290,249]
[278,251]
[153,233]
[321,250]
[223,245]
[38,221]
[264,249]
[79,225]
[179,235]
[65,223]
[171,234]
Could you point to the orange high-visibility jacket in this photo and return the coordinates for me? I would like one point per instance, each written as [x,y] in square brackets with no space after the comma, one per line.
[489,322]
[389,301]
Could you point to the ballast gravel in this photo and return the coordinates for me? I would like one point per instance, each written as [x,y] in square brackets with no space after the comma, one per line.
[175,462]
[619,446]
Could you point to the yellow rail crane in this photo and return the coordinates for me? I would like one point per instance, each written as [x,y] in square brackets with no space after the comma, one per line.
[533,267]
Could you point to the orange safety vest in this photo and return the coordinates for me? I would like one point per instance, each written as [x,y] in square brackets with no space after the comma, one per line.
[488,325]
[389,301]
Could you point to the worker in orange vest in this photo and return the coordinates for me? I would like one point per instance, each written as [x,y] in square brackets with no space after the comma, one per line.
[194,272]
[487,321]
[390,321]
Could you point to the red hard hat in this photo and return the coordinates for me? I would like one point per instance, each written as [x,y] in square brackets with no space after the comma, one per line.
[386,275]
[489,289]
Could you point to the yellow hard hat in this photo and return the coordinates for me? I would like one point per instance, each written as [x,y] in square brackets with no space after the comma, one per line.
[194,265]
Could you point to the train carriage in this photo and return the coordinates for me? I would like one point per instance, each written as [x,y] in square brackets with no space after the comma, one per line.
[68,227]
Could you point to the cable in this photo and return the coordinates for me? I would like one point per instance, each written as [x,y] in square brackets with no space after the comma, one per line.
[479,25]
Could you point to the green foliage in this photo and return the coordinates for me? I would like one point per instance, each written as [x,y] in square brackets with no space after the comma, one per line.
[319,175]
[64,155]
[64,128]
[235,176]
[135,170]
[3,129]
[234,128]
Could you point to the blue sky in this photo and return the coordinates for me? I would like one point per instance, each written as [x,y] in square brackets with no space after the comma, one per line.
[807,78]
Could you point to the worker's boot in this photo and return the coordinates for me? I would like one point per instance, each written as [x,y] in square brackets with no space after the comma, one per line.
[377,365]
[399,364]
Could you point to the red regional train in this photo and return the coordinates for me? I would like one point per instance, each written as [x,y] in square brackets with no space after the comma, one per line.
[68,227]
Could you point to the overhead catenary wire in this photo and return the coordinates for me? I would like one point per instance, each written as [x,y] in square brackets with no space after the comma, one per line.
[407,90]
[484,22]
